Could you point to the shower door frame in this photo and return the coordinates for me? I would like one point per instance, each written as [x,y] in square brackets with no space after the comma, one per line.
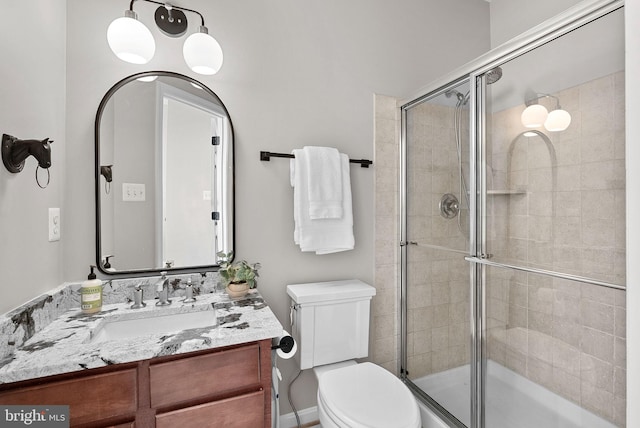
[474,72]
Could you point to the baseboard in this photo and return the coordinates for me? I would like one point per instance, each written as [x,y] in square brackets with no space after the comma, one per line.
[307,416]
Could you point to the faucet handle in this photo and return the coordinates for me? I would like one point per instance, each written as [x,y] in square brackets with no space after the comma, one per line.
[137,298]
[188,292]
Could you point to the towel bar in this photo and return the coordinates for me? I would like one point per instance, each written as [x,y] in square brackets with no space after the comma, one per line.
[266,156]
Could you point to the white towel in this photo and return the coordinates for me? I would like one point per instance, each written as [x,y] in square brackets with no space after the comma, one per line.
[324,177]
[323,236]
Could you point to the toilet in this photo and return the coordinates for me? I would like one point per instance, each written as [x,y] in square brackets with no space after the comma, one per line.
[330,323]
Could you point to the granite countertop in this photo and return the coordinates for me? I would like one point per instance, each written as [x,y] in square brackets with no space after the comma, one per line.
[65,345]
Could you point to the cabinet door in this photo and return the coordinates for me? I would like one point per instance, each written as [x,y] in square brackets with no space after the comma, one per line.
[242,411]
[90,398]
[205,375]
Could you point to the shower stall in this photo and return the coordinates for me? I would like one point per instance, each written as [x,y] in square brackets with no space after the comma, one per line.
[513,232]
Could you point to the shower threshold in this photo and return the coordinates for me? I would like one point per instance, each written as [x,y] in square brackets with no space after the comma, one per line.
[511,400]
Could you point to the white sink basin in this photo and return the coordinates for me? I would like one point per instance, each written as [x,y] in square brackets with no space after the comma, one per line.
[152,322]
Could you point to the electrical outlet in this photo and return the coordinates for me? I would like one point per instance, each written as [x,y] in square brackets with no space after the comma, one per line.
[54,224]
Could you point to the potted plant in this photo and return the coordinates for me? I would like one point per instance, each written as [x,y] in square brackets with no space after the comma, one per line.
[238,276]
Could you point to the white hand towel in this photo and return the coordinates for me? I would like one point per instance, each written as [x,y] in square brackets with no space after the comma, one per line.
[324,177]
[324,236]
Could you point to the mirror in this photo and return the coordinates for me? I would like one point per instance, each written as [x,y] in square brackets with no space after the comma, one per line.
[164,175]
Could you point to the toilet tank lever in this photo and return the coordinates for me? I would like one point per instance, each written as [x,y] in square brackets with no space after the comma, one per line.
[292,308]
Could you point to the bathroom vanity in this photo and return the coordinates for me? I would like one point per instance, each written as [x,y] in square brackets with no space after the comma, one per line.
[227,387]
[202,375]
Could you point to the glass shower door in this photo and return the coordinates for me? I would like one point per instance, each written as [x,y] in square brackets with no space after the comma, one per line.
[436,327]
[513,241]
[553,241]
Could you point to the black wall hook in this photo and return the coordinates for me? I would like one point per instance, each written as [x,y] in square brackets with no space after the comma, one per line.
[15,151]
[107,172]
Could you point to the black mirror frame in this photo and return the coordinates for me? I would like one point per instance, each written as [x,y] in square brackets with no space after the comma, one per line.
[101,107]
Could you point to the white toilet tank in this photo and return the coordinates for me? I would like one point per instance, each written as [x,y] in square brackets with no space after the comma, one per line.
[330,321]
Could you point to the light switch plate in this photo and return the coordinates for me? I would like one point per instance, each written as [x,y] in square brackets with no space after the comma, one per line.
[133,192]
[54,224]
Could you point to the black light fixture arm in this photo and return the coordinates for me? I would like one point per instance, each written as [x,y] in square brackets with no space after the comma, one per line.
[170,6]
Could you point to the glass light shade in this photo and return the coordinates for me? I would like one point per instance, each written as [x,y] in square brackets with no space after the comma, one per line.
[534,116]
[558,120]
[131,40]
[202,53]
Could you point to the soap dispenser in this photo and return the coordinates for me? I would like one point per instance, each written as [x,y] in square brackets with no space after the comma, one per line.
[91,294]
[107,263]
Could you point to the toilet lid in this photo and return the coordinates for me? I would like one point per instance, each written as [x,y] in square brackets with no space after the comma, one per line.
[366,395]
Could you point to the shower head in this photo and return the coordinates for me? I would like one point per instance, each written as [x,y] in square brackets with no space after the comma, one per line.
[493,75]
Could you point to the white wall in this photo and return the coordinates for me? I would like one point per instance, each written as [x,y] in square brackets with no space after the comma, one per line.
[32,106]
[295,73]
[512,17]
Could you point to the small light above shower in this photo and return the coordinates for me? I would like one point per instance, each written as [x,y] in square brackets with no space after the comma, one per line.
[537,115]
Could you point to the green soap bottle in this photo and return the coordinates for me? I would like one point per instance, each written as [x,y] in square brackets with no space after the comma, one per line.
[91,294]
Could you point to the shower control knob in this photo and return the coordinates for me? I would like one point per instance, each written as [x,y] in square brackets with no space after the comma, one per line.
[449,206]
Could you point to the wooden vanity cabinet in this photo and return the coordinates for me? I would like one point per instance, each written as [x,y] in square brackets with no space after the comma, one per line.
[93,397]
[240,411]
[225,387]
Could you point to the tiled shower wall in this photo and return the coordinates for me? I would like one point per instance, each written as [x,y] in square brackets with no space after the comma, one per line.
[384,324]
[564,335]
[438,316]
[438,293]
[437,280]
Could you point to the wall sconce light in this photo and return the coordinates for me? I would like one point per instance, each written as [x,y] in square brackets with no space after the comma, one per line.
[536,115]
[132,41]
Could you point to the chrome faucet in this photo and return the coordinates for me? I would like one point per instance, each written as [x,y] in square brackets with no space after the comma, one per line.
[162,287]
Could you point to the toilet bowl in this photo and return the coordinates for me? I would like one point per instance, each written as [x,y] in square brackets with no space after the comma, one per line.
[365,396]
[330,323]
